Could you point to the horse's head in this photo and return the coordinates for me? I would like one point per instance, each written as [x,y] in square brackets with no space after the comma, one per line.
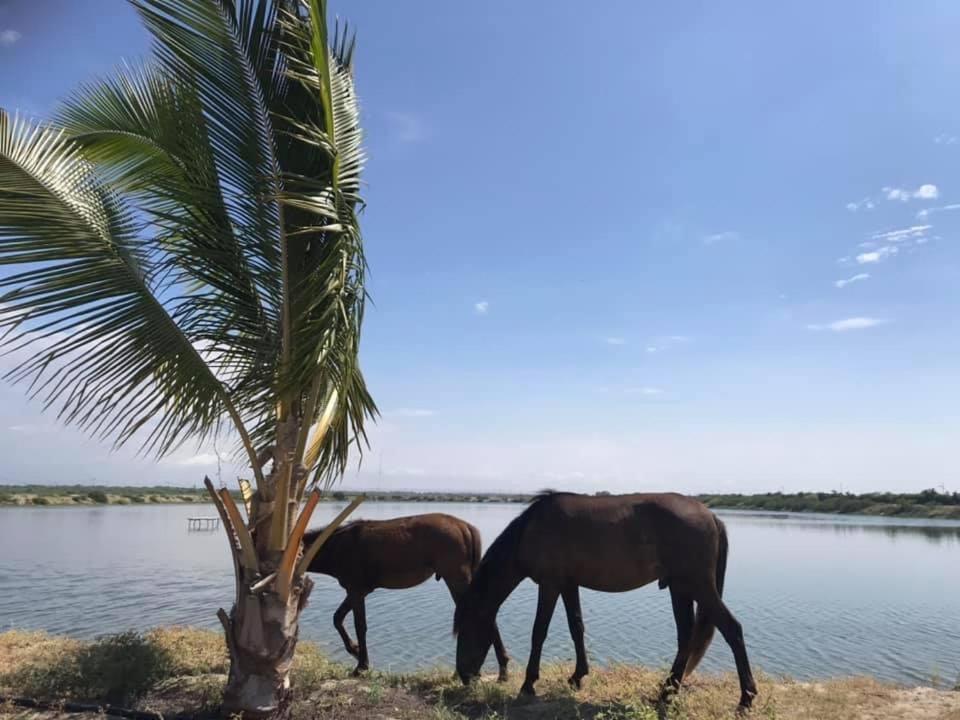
[474,630]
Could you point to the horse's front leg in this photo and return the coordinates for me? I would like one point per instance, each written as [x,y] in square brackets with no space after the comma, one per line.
[360,625]
[571,602]
[546,603]
[338,618]
[502,658]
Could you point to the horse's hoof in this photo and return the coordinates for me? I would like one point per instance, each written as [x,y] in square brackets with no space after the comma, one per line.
[527,692]
[574,682]
[503,676]
[359,670]
[746,702]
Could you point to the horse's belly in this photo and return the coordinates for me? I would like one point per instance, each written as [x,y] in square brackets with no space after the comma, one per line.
[619,574]
[399,580]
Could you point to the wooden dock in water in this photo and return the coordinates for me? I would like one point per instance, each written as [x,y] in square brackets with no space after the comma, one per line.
[203,523]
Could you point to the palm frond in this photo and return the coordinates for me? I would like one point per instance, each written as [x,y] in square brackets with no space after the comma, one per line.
[99,343]
[147,135]
[321,196]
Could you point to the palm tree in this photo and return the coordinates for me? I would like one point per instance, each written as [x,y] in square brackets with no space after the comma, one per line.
[189,262]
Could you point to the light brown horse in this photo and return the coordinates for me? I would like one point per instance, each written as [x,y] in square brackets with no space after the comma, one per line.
[400,553]
[613,544]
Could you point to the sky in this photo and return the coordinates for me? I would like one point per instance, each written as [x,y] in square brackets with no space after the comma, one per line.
[620,246]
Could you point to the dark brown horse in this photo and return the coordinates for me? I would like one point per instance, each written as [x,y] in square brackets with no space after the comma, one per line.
[613,544]
[368,554]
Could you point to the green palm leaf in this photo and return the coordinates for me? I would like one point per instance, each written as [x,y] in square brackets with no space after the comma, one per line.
[100,345]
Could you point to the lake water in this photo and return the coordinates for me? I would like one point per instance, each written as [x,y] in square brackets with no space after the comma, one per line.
[818,596]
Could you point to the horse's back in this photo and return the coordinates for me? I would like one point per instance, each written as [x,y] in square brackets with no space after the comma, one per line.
[403,552]
[615,542]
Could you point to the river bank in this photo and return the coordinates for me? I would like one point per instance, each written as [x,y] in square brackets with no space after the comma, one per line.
[182,671]
[928,504]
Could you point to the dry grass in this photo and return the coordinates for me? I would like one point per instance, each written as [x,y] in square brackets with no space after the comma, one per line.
[182,670]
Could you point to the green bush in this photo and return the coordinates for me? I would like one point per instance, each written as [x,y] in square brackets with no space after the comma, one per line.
[98,496]
[40,501]
[135,498]
[115,669]
[5,498]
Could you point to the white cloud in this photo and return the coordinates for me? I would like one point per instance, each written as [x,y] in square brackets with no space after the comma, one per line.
[615,341]
[646,390]
[902,234]
[945,139]
[407,127]
[200,459]
[33,428]
[926,212]
[481,307]
[8,37]
[865,204]
[876,256]
[854,323]
[927,191]
[413,412]
[667,341]
[725,236]
[856,278]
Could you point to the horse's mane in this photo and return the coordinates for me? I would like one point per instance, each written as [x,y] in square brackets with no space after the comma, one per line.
[501,551]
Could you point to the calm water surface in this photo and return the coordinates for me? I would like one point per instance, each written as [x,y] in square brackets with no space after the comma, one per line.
[817,595]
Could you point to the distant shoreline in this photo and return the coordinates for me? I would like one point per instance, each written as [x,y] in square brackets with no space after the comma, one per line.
[928,504]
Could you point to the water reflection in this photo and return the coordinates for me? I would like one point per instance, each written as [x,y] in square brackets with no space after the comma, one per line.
[933,531]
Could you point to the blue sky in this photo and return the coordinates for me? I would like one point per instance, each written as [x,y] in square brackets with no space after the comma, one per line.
[620,245]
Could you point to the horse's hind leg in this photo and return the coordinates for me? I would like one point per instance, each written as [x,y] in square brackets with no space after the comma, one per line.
[683,615]
[546,603]
[360,625]
[338,618]
[732,632]
[571,602]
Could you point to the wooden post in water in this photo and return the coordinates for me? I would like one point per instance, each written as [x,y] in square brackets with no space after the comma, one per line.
[203,523]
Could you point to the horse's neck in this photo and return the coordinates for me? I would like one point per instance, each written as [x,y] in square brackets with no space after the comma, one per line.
[501,583]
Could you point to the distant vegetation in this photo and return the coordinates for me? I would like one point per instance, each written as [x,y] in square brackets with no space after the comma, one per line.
[925,504]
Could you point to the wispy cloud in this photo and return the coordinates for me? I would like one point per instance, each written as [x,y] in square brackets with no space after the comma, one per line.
[413,412]
[8,37]
[647,390]
[848,324]
[667,341]
[200,459]
[33,429]
[856,278]
[894,236]
[875,256]
[927,191]
[865,204]
[725,236]
[615,340]
[945,139]
[481,307]
[407,127]
[926,212]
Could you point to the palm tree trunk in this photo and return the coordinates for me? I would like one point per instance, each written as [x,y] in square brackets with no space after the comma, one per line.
[263,626]
[261,632]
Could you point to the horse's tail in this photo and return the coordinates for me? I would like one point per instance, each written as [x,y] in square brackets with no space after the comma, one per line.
[476,549]
[702,627]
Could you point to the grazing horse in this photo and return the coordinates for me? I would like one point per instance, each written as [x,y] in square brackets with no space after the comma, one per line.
[400,553]
[613,544]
